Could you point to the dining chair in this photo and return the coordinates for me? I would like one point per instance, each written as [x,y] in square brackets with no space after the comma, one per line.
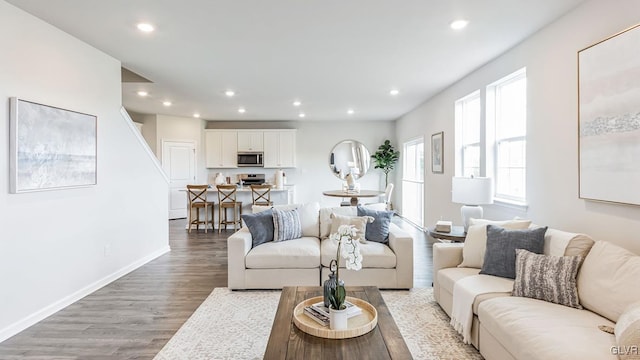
[197,199]
[386,202]
[227,200]
[261,195]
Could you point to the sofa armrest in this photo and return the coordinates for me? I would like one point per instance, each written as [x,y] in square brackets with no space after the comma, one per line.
[446,255]
[238,246]
[401,242]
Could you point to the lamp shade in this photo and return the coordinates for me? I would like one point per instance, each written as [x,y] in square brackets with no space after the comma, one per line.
[472,190]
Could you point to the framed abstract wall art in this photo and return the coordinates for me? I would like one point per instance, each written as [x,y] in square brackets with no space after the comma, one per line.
[437,149]
[609,119]
[50,148]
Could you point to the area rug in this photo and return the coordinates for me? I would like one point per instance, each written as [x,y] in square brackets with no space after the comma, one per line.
[236,325]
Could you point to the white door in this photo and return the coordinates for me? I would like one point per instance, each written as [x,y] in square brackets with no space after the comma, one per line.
[179,163]
[413,181]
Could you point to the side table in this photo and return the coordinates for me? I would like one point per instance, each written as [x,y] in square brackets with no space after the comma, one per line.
[456,234]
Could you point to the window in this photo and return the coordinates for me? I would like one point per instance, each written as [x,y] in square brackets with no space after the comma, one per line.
[491,136]
[413,181]
[507,116]
[467,115]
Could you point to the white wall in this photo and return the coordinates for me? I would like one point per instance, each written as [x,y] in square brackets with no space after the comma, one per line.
[57,246]
[552,153]
[315,141]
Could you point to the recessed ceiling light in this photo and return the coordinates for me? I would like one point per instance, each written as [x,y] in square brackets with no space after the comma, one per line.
[394,92]
[350,111]
[166,103]
[459,24]
[301,115]
[142,93]
[297,103]
[196,115]
[230,93]
[242,110]
[145,27]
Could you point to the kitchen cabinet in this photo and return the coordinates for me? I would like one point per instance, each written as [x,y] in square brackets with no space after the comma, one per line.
[280,149]
[250,141]
[221,149]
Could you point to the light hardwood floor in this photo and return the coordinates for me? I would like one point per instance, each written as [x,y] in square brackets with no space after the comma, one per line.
[134,316]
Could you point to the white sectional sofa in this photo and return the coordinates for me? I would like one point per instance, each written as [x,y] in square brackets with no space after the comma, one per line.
[510,327]
[304,261]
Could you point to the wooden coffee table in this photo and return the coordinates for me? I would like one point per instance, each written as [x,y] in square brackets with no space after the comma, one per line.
[288,342]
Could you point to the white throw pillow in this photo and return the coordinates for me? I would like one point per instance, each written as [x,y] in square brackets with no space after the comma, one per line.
[627,332]
[325,217]
[359,222]
[475,244]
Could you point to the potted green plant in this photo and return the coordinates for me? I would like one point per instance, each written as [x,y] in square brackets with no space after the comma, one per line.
[385,158]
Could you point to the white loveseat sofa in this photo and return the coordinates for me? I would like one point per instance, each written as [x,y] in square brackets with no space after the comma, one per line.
[509,327]
[305,261]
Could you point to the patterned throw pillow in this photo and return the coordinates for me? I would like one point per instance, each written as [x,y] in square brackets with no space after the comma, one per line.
[548,278]
[286,225]
[500,257]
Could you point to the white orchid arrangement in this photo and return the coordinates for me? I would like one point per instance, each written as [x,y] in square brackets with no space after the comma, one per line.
[349,248]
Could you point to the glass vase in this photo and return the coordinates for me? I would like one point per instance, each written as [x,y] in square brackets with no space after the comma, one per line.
[329,286]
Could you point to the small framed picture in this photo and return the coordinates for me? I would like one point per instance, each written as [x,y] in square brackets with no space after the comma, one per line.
[437,150]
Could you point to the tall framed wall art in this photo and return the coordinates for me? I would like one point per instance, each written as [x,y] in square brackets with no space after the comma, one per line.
[609,119]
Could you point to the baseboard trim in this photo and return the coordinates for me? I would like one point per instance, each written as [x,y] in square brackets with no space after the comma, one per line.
[47,311]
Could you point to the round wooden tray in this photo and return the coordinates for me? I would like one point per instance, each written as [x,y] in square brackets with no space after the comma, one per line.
[356,326]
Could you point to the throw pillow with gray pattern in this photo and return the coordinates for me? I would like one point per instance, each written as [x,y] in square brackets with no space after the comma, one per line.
[286,225]
[546,277]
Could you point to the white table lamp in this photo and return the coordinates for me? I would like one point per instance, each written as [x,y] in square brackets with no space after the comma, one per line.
[472,192]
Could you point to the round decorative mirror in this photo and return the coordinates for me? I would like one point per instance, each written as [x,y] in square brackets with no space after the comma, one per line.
[349,157]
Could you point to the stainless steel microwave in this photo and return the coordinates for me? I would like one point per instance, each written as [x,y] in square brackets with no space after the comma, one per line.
[250,159]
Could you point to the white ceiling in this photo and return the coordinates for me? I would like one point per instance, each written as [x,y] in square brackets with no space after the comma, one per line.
[330,54]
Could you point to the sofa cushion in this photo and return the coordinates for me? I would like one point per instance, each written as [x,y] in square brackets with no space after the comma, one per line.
[546,277]
[260,226]
[500,258]
[308,215]
[447,277]
[475,243]
[627,333]
[377,231]
[535,329]
[359,222]
[298,253]
[374,255]
[286,225]
[608,278]
[325,217]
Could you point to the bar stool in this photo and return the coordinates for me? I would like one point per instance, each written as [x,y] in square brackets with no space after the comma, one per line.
[261,195]
[197,197]
[227,200]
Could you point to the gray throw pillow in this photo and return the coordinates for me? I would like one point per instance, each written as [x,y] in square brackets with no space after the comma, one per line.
[378,230]
[548,278]
[500,257]
[286,225]
[260,226]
